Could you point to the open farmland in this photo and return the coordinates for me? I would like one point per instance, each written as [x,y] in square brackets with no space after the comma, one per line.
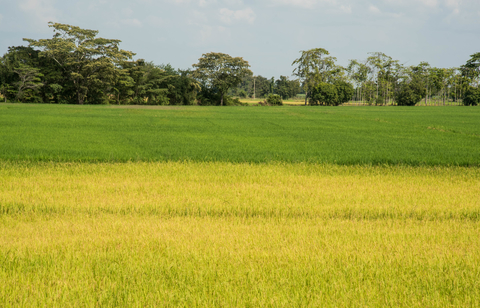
[223,234]
[342,135]
[240,207]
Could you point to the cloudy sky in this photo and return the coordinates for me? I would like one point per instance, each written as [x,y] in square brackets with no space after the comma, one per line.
[267,33]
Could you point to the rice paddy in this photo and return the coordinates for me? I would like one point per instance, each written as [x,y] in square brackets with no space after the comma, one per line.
[82,228]
[339,135]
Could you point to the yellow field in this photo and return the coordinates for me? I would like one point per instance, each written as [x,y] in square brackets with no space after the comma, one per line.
[221,234]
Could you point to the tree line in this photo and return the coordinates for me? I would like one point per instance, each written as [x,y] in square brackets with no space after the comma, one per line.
[77,66]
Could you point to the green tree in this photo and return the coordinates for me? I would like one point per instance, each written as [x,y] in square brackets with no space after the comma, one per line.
[29,81]
[324,94]
[471,69]
[423,70]
[12,69]
[358,72]
[88,61]
[472,96]
[219,71]
[182,88]
[287,88]
[274,100]
[315,66]
[345,91]
[261,86]
[382,67]
[411,91]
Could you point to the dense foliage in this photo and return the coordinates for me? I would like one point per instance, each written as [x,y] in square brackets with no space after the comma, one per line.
[77,66]
[218,72]
[331,94]
[324,94]
[410,92]
[472,96]
[274,100]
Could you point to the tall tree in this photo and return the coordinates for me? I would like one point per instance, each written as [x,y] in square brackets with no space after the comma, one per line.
[471,69]
[219,71]
[29,80]
[287,88]
[411,89]
[382,67]
[314,66]
[86,59]
[358,72]
[423,71]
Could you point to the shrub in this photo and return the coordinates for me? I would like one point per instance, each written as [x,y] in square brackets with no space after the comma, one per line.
[345,91]
[324,94]
[406,96]
[274,100]
[230,101]
[242,93]
[410,93]
[472,96]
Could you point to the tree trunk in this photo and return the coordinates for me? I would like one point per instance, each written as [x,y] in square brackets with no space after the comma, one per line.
[80,97]
[221,100]
[386,93]
[306,97]
[444,95]
[455,90]
[426,96]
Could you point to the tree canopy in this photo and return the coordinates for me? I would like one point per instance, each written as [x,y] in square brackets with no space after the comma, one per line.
[219,72]
[78,66]
[86,60]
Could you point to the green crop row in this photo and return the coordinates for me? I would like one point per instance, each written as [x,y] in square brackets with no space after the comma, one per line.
[342,135]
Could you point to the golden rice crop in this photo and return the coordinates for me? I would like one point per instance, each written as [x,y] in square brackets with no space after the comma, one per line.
[248,235]
[225,189]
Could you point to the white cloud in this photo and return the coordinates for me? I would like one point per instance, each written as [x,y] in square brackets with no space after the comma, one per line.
[229,16]
[155,21]
[233,2]
[197,18]
[127,11]
[43,11]
[453,5]
[204,3]
[131,22]
[373,9]
[210,34]
[429,3]
[302,3]
[346,8]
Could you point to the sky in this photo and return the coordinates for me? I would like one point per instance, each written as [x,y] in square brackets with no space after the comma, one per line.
[269,34]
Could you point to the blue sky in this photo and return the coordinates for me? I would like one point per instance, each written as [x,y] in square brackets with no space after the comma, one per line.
[267,33]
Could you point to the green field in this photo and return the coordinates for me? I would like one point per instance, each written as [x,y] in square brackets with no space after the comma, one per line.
[103,206]
[342,135]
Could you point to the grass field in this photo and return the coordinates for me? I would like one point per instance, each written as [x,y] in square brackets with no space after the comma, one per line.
[239,207]
[342,135]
